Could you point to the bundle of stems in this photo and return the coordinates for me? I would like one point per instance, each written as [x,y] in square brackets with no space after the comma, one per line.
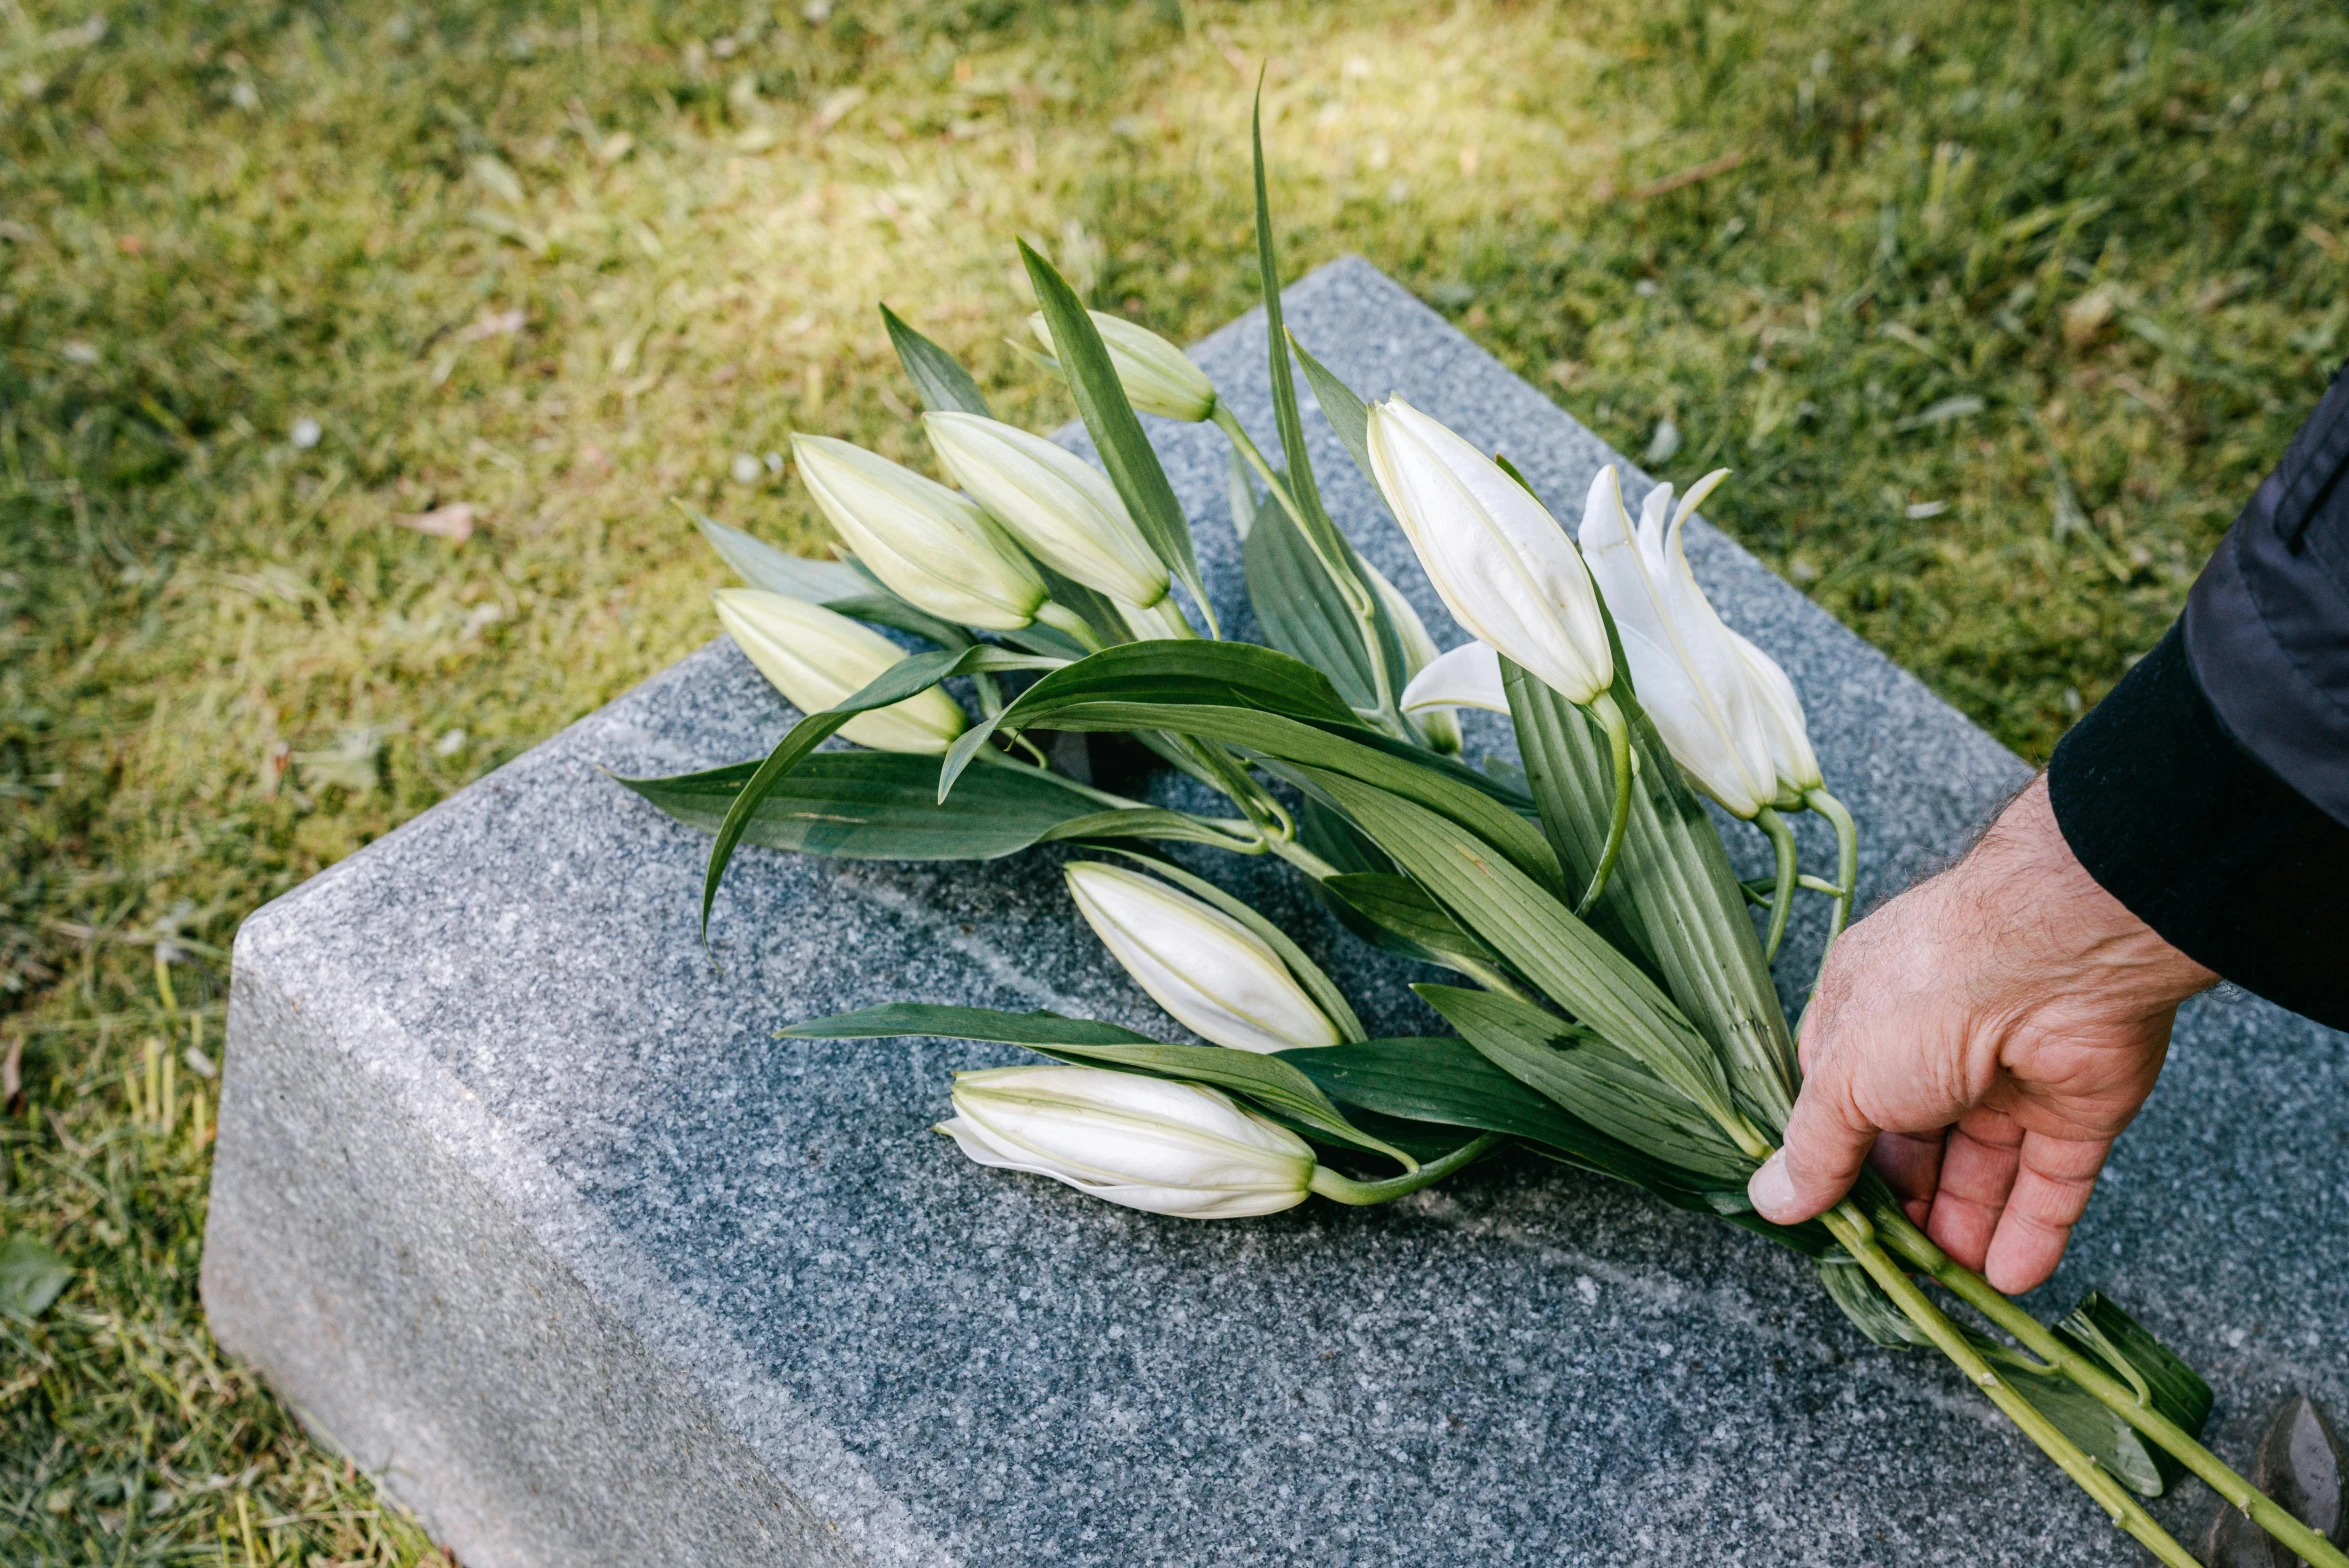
[1615,1007]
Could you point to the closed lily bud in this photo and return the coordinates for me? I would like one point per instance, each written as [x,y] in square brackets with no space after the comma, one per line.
[1692,679]
[1500,562]
[1062,508]
[1165,1148]
[1438,723]
[934,548]
[1158,377]
[1219,979]
[817,657]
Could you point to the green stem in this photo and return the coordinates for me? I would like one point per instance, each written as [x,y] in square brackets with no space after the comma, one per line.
[1069,623]
[1242,443]
[1303,859]
[1847,858]
[1904,1237]
[1610,719]
[1782,893]
[1359,596]
[1850,1227]
[1344,1189]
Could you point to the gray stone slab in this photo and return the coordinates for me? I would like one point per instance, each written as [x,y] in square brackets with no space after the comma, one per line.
[519,1202]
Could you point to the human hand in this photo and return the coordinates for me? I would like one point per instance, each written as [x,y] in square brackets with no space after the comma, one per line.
[1984,1036]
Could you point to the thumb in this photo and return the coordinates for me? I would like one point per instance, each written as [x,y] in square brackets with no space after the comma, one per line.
[1827,1141]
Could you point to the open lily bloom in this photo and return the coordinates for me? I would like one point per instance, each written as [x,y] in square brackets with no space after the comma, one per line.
[1685,664]
[1467,677]
[1781,711]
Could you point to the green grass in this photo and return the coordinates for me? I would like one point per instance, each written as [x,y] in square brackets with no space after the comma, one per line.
[1965,252]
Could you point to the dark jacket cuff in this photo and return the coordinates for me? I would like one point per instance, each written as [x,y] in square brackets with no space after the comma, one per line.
[2227,862]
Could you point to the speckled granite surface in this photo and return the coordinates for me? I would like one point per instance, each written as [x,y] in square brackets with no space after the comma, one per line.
[520,1203]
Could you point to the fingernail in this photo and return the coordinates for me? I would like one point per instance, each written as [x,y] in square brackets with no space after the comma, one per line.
[1771,1189]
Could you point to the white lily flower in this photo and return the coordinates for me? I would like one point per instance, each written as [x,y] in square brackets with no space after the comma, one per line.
[1690,675]
[1219,979]
[1780,708]
[936,549]
[817,657]
[1500,562]
[1438,723]
[1158,377]
[1062,508]
[1467,677]
[1165,1148]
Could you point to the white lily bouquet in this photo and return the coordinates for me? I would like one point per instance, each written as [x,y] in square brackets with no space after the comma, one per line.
[1614,1002]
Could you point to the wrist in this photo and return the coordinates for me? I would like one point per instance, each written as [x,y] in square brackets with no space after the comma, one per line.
[2067,922]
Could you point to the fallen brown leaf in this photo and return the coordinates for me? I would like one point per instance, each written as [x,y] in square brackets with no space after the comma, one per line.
[454,522]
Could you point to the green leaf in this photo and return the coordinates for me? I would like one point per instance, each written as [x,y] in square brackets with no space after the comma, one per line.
[1334,552]
[1437,1078]
[1396,913]
[1446,1081]
[1538,936]
[882,805]
[761,565]
[1270,703]
[1135,676]
[1303,612]
[1112,690]
[1674,903]
[1863,1301]
[1294,455]
[1125,451]
[1309,974]
[31,1277]
[2080,1416]
[1594,1082]
[2159,1374]
[1324,830]
[945,387]
[1266,1081]
[1240,493]
[1346,413]
[908,677]
[896,1019]
[2096,1327]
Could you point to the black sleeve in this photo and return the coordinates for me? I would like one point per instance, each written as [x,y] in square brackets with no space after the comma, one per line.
[2209,792]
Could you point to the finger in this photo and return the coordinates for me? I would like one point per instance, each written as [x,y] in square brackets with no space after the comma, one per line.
[2052,1188]
[1910,1164]
[1827,1141]
[1977,1172]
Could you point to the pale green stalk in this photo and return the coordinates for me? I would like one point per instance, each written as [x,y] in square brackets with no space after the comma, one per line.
[1358,596]
[1847,858]
[1904,1237]
[1618,731]
[1344,1189]
[1782,893]
[1850,1227]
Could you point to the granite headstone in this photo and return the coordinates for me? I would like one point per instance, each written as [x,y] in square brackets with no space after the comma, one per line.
[520,1203]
